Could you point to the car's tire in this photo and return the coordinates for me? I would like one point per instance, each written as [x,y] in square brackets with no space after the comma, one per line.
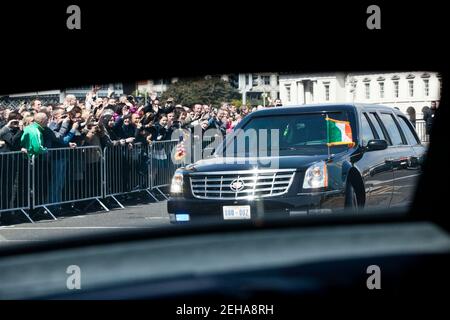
[351,198]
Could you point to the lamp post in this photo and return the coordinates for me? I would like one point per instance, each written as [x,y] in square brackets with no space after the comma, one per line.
[264,95]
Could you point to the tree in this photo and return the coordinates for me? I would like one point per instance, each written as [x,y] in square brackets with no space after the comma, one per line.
[213,91]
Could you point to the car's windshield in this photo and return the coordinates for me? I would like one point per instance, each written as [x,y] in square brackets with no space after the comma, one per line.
[148,159]
[293,134]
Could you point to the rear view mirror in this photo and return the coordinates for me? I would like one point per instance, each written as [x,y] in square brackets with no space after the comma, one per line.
[377,144]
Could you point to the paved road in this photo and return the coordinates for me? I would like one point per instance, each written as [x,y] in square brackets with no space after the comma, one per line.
[132,217]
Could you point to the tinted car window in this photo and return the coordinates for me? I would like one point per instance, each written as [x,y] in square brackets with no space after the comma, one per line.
[408,131]
[374,118]
[304,134]
[366,130]
[392,129]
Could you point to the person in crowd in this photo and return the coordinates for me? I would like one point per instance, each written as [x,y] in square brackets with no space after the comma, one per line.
[170,119]
[32,138]
[128,127]
[70,101]
[11,133]
[36,106]
[162,131]
[219,121]
[428,117]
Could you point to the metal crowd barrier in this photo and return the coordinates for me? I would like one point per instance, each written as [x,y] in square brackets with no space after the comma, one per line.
[163,163]
[421,130]
[67,175]
[126,170]
[15,182]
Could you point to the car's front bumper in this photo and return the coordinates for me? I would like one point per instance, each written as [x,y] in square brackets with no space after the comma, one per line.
[192,209]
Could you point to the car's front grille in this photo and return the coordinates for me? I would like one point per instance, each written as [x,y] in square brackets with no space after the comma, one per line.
[241,184]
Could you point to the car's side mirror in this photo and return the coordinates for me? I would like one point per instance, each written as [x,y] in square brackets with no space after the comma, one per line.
[376,144]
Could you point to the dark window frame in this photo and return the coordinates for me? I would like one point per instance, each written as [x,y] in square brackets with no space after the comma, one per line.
[402,136]
[374,131]
[382,127]
[411,128]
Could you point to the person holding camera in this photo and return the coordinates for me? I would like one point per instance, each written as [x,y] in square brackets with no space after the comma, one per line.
[72,129]
[11,133]
[154,107]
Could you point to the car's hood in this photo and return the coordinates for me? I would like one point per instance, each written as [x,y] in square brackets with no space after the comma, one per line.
[249,163]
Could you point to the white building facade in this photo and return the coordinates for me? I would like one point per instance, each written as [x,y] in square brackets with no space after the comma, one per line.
[78,92]
[408,91]
[154,86]
[254,85]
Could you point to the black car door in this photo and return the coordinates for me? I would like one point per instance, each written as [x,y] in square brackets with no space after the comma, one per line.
[376,172]
[404,161]
[409,167]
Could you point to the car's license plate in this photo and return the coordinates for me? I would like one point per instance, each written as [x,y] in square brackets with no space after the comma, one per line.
[236,212]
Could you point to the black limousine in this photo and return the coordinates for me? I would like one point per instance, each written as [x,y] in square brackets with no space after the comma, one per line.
[318,159]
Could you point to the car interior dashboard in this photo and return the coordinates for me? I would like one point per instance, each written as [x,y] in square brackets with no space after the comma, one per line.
[241,264]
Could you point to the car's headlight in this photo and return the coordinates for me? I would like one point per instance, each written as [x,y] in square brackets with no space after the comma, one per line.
[316,176]
[177,183]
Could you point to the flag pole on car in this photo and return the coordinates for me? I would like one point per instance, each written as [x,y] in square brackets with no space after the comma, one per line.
[339,132]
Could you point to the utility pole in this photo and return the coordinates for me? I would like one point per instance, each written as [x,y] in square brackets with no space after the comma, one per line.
[244,91]
[263,95]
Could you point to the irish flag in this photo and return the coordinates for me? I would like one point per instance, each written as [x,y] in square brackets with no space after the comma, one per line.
[338,132]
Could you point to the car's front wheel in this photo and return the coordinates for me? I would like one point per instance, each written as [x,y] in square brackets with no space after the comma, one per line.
[351,198]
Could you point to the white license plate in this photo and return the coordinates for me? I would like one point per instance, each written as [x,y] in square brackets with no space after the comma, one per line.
[236,212]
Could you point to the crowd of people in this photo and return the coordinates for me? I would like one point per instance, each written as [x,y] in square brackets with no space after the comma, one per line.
[108,121]
[99,121]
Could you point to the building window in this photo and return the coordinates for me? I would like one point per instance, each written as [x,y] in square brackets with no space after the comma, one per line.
[396,86]
[255,81]
[367,87]
[411,87]
[278,80]
[247,79]
[381,89]
[288,93]
[266,80]
[426,84]
[327,92]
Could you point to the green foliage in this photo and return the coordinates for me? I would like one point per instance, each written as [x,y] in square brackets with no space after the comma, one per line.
[237,103]
[213,91]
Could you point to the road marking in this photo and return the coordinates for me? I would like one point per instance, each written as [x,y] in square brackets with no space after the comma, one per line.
[157,218]
[6,240]
[75,228]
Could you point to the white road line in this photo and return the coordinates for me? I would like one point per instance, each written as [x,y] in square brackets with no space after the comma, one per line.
[6,240]
[68,228]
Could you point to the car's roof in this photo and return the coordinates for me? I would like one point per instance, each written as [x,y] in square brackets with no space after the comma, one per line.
[323,107]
